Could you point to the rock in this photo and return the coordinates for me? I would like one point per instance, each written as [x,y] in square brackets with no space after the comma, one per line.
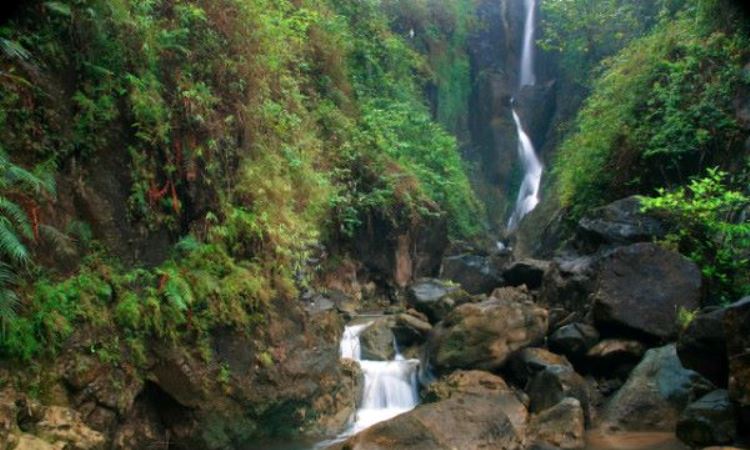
[737,332]
[708,421]
[619,223]
[459,422]
[377,341]
[435,298]
[658,389]
[529,272]
[477,383]
[615,357]
[59,424]
[561,425]
[317,304]
[26,441]
[525,364]
[410,330]
[483,335]
[550,386]
[476,274]
[640,289]
[573,340]
[702,346]
[567,286]
[466,382]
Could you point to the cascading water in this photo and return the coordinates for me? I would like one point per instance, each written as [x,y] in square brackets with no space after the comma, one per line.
[390,387]
[527,54]
[528,194]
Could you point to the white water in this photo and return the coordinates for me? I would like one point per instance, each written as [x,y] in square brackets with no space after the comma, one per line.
[390,387]
[527,54]
[528,194]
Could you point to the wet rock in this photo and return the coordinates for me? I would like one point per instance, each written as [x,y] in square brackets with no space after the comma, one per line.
[614,357]
[619,223]
[573,340]
[562,425]
[410,330]
[525,364]
[656,392]
[435,298]
[550,386]
[377,341]
[708,421]
[640,289]
[483,335]
[476,274]
[529,272]
[702,346]
[737,332]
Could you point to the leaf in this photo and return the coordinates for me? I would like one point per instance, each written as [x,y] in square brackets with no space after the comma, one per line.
[59,8]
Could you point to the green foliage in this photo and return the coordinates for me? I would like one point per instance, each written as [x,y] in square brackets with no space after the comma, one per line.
[661,112]
[711,230]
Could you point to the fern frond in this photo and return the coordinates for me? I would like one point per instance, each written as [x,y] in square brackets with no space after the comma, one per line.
[10,245]
[16,215]
[178,292]
[60,242]
[13,50]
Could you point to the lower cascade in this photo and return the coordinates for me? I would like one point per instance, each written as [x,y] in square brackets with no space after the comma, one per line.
[390,387]
[528,194]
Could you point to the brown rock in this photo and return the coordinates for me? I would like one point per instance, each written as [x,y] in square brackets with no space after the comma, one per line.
[483,335]
[562,425]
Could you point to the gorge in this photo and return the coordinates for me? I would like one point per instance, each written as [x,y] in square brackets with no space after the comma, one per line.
[374,224]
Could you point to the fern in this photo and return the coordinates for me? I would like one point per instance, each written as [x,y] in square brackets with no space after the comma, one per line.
[10,245]
[17,216]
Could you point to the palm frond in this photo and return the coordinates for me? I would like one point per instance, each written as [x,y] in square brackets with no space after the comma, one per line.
[10,245]
[16,215]
[13,49]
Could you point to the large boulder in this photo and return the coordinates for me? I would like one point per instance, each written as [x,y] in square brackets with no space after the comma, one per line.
[458,422]
[435,298]
[561,426]
[525,364]
[529,272]
[469,410]
[476,274]
[478,383]
[640,289]
[483,335]
[377,340]
[619,223]
[550,386]
[708,421]
[702,346]
[656,392]
[737,332]
[573,340]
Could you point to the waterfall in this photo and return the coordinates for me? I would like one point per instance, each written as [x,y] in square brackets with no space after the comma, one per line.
[390,387]
[527,54]
[528,194]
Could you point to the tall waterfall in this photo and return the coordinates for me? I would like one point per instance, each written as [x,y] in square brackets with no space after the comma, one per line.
[390,387]
[528,194]
[527,54]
